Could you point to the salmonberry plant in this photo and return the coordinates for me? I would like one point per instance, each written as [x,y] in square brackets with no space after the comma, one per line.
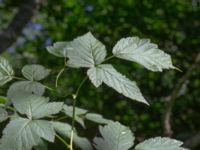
[33,117]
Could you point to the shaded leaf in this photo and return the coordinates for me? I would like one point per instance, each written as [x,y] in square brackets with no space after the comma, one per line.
[143,52]
[3,115]
[23,134]
[114,137]
[59,49]
[6,71]
[65,130]
[161,144]
[97,118]
[68,110]
[117,81]
[42,145]
[35,72]
[86,51]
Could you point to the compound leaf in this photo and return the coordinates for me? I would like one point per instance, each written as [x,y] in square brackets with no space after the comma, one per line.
[143,52]
[35,72]
[6,71]
[86,51]
[160,143]
[115,137]
[107,74]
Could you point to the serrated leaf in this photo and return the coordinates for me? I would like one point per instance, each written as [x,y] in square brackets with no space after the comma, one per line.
[143,52]
[68,110]
[94,75]
[117,81]
[159,143]
[59,49]
[65,130]
[115,137]
[3,115]
[86,51]
[35,106]
[97,118]
[6,71]
[31,87]
[35,72]
[23,134]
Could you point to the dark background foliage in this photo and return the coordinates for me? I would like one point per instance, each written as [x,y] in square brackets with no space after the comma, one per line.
[173,24]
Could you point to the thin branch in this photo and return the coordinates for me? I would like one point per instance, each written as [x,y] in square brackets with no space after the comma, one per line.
[169,106]
[26,11]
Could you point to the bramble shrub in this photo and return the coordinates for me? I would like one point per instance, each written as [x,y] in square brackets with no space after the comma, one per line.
[33,117]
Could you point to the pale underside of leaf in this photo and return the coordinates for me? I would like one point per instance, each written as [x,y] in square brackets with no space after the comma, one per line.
[35,72]
[31,87]
[23,134]
[96,118]
[107,74]
[35,106]
[143,52]
[159,143]
[6,71]
[114,137]
[86,51]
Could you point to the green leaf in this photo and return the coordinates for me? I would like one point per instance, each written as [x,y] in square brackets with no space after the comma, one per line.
[3,115]
[59,49]
[68,110]
[107,74]
[86,51]
[31,87]
[35,106]
[3,99]
[23,134]
[42,145]
[143,52]
[65,130]
[97,118]
[6,71]
[115,137]
[159,143]
[35,72]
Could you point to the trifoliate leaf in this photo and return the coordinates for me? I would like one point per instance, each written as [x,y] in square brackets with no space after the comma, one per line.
[114,137]
[65,130]
[86,51]
[35,72]
[117,81]
[31,87]
[96,118]
[159,143]
[35,106]
[6,71]
[3,115]
[143,52]
[68,110]
[23,134]
[59,49]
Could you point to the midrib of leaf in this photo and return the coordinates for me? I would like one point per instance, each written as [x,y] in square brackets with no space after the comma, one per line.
[4,69]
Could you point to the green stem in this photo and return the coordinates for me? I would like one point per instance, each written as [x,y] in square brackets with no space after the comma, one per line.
[18,78]
[74,110]
[61,118]
[47,87]
[63,141]
[58,76]
[108,58]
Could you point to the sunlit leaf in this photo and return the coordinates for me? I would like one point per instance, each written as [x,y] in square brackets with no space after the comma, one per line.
[143,52]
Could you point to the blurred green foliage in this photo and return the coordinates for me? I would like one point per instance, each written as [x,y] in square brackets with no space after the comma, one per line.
[173,24]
